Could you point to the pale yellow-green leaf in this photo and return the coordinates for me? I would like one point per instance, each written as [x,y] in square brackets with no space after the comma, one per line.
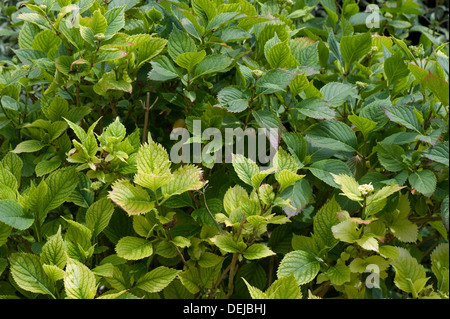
[79,281]
[28,274]
[440,266]
[133,199]
[153,165]
[284,161]
[98,215]
[234,197]
[153,158]
[227,244]
[54,272]
[284,288]
[349,186]
[185,178]
[188,60]
[54,251]
[410,276]
[257,251]
[245,168]
[346,231]
[255,293]
[339,274]
[157,279]
[134,248]
[287,178]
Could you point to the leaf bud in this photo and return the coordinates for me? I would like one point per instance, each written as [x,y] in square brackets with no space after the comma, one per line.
[257,73]
[100,36]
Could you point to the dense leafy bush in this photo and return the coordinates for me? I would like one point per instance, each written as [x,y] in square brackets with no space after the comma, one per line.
[95,202]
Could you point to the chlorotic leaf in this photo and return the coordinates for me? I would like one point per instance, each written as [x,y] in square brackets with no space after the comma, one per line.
[153,166]
[257,251]
[227,244]
[98,215]
[133,199]
[28,273]
[410,276]
[284,288]
[346,231]
[185,178]
[189,60]
[349,186]
[280,56]
[134,248]
[255,293]
[339,274]
[234,198]
[54,251]
[245,168]
[79,281]
[157,279]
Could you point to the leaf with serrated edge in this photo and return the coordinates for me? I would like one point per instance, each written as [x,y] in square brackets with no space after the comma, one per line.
[424,182]
[257,251]
[324,220]
[98,215]
[79,281]
[134,248]
[440,266]
[303,265]
[12,214]
[410,276]
[349,186]
[245,168]
[186,178]
[157,279]
[284,288]
[54,251]
[133,199]
[28,274]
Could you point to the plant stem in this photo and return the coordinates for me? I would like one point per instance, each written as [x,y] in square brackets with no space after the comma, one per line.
[211,294]
[364,208]
[233,271]
[37,228]
[147,107]
[177,249]
[322,289]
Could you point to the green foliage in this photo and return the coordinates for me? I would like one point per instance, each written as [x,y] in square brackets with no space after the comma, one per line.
[93,204]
